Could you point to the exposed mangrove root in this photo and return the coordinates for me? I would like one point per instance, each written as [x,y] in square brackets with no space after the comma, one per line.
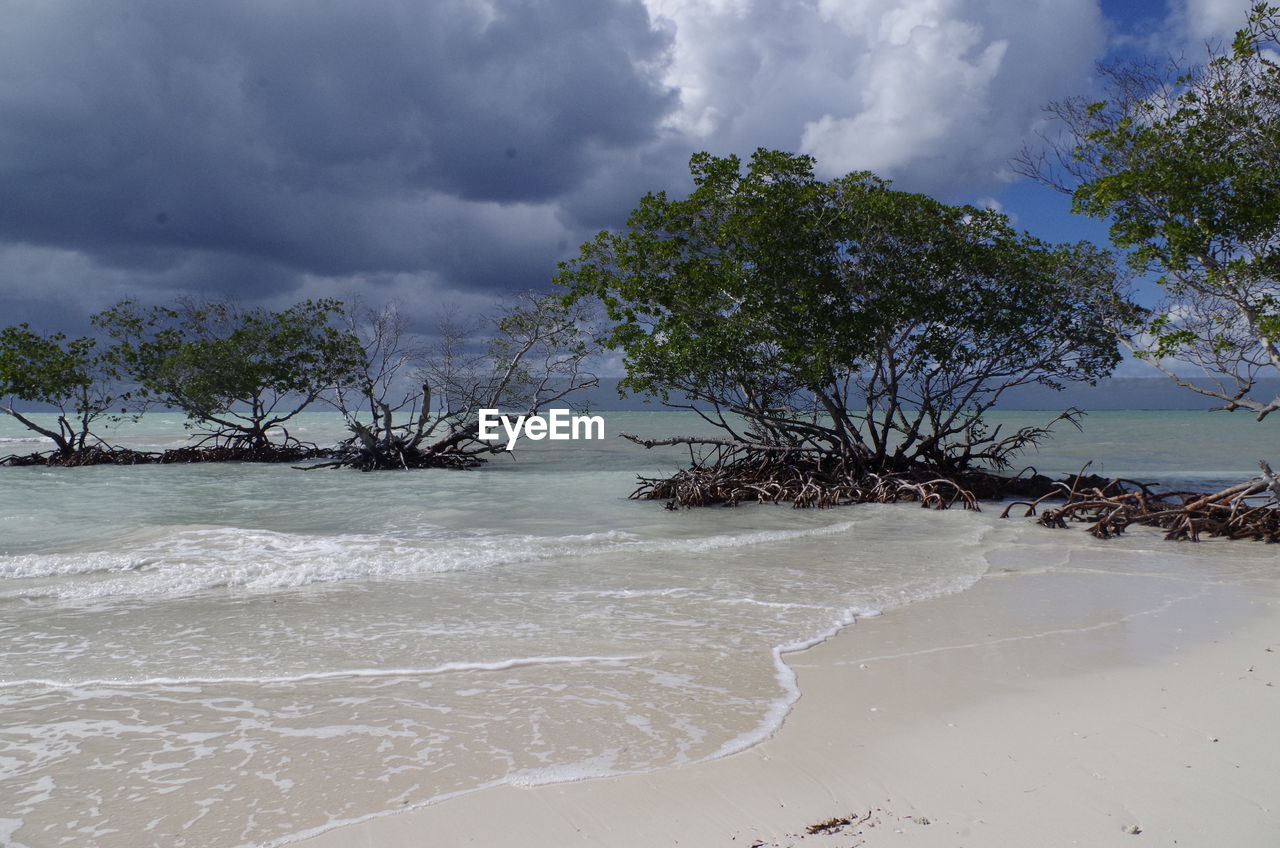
[290,452]
[730,472]
[235,453]
[804,480]
[105,455]
[93,455]
[734,475]
[392,460]
[1249,510]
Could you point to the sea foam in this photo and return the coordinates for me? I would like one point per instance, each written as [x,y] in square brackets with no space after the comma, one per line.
[190,560]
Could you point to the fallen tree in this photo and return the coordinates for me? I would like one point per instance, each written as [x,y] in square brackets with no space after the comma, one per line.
[98,454]
[104,454]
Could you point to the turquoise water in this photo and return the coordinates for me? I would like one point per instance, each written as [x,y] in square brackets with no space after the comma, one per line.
[224,655]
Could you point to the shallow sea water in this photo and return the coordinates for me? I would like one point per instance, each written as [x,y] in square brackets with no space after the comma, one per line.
[226,655]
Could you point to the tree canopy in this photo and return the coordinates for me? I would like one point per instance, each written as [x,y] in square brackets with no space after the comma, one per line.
[237,372]
[241,374]
[844,316]
[66,374]
[1185,164]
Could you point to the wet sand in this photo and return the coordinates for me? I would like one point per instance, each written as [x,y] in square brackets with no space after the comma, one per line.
[1080,706]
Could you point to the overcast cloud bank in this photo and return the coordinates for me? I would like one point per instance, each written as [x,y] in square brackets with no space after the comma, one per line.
[451,150]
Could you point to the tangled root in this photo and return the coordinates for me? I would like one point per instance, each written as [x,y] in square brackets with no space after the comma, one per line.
[750,476]
[232,453]
[104,455]
[1237,512]
[95,455]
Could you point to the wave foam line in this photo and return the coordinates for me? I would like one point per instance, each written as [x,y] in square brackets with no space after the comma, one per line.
[785,675]
[789,681]
[501,665]
[208,558]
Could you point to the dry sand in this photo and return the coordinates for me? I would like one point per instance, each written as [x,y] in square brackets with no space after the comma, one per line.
[1074,707]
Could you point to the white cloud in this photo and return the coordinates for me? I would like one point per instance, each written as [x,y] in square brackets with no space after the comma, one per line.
[1216,21]
[937,94]
[929,76]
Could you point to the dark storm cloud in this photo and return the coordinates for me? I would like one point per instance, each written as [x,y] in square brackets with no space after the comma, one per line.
[328,138]
[447,150]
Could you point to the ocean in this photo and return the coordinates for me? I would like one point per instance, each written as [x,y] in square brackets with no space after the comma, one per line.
[241,655]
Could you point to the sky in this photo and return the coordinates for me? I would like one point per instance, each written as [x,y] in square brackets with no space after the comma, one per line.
[440,153]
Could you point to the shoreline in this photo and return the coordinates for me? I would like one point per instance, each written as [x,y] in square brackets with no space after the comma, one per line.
[1063,706]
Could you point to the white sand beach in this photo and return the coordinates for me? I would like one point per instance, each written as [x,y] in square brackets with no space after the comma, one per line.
[1080,706]
[219,656]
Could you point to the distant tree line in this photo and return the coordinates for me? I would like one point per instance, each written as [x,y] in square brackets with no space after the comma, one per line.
[241,376]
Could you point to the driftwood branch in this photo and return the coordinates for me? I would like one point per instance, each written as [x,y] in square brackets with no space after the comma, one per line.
[1270,479]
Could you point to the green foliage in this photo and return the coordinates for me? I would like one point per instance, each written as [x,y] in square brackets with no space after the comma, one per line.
[43,369]
[56,371]
[1185,164]
[793,302]
[239,372]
